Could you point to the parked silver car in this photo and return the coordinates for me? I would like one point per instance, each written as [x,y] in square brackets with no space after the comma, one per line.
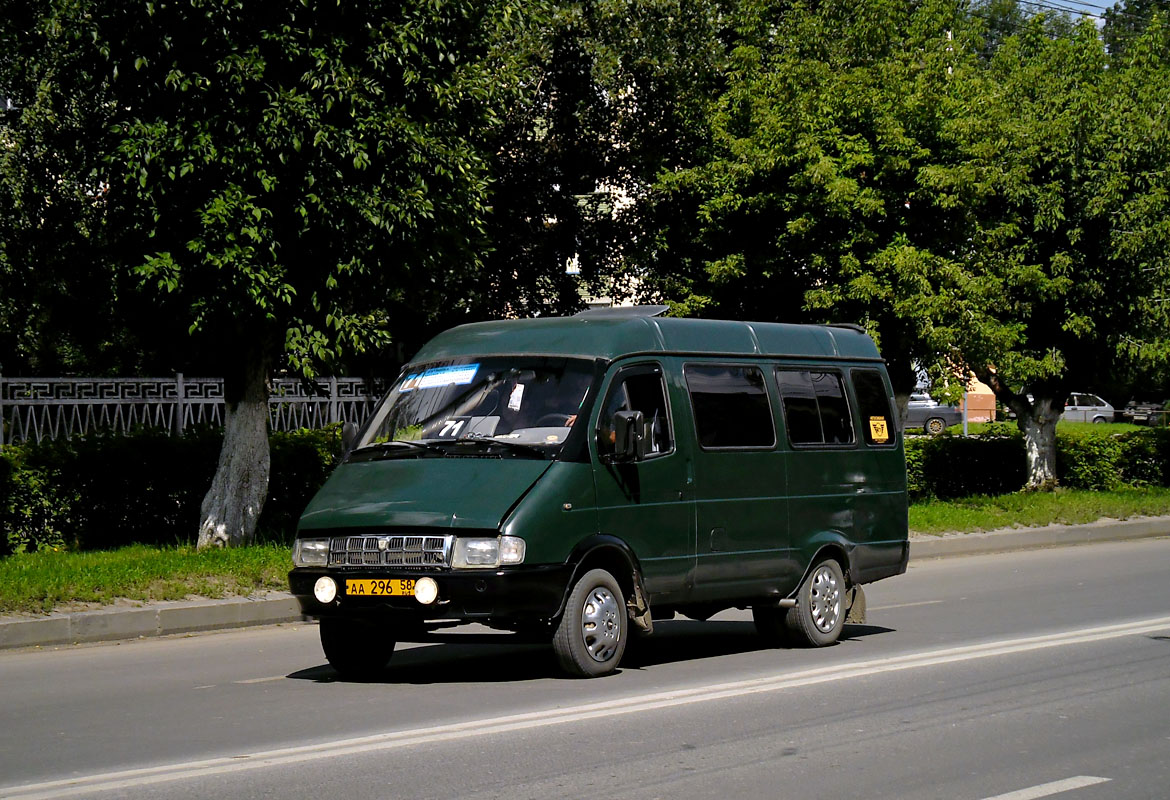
[1082,407]
[922,411]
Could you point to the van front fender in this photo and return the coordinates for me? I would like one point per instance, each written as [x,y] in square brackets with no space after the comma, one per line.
[614,555]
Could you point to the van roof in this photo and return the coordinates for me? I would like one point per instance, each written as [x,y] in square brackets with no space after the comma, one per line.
[613,336]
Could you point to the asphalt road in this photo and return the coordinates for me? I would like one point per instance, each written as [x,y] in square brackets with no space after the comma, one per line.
[1038,674]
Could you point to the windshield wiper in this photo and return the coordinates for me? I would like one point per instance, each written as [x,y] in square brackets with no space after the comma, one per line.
[417,445]
[516,446]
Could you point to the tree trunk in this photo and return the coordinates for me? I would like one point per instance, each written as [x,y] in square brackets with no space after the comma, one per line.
[1039,429]
[1036,418]
[232,505]
[903,379]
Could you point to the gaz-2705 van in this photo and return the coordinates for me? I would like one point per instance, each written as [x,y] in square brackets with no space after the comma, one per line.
[574,479]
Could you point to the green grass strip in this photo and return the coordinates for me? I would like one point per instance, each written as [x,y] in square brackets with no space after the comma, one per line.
[40,582]
[1029,509]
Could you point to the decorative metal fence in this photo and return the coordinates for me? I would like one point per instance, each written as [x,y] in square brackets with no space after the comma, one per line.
[55,408]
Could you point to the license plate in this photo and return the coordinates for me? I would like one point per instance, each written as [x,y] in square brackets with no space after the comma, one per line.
[377,587]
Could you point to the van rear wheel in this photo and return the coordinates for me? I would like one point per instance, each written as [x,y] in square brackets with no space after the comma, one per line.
[357,649]
[591,637]
[819,614]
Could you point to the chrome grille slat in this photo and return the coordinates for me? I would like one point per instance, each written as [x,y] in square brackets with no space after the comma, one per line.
[390,550]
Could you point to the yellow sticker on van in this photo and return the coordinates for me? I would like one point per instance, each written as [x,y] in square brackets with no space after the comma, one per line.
[879,431]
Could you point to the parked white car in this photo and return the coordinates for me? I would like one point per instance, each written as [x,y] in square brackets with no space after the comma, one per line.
[1082,407]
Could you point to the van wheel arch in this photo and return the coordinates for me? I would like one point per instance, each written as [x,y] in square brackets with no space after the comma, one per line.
[612,554]
[834,550]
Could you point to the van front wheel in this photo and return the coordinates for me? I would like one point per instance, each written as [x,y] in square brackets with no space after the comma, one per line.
[819,615]
[591,636]
[357,649]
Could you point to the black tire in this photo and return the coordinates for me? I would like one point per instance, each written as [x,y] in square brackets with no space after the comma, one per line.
[358,649]
[934,426]
[819,614]
[772,624]
[591,636]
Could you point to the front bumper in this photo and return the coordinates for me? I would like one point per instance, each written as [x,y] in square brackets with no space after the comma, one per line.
[518,595]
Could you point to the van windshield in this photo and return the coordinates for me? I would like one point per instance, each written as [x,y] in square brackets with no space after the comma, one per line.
[511,406]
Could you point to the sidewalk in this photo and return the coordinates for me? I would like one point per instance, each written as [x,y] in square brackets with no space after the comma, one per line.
[162,619]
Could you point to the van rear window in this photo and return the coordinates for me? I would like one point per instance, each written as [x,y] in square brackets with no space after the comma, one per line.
[874,406]
[816,409]
[731,406]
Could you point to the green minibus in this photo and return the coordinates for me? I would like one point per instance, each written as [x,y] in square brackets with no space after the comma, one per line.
[574,479]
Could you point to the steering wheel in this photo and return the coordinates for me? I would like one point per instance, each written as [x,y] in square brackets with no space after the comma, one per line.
[552,421]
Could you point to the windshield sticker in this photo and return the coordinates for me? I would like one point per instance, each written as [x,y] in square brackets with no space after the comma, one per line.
[516,398]
[878,430]
[440,376]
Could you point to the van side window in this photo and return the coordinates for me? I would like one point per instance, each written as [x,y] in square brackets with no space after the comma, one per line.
[638,389]
[873,404]
[816,409]
[731,406]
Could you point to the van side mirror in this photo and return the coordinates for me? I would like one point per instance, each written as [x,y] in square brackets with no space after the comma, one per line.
[348,434]
[630,439]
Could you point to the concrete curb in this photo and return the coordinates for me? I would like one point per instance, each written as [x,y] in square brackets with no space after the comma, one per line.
[155,619]
[1012,539]
[161,619]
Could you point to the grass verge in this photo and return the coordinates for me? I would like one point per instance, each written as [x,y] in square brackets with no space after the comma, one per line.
[1064,507]
[42,581]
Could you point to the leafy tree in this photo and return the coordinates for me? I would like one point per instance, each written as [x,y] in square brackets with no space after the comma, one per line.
[1127,19]
[810,207]
[64,304]
[296,174]
[619,93]
[1065,262]
[871,164]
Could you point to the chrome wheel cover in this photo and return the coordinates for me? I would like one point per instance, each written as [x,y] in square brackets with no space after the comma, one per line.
[601,624]
[824,598]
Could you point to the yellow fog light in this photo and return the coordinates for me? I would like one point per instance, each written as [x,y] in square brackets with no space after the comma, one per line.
[325,590]
[426,591]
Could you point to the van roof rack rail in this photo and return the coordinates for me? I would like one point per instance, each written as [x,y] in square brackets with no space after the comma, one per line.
[847,325]
[623,311]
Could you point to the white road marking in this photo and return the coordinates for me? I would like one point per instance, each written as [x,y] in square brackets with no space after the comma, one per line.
[907,605]
[188,770]
[263,680]
[1049,789]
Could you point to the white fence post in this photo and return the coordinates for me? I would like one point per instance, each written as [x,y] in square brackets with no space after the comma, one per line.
[180,404]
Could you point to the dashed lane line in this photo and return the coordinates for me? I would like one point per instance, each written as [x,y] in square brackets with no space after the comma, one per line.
[1049,789]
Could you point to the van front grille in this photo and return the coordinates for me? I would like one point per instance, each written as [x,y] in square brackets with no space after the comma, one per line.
[390,550]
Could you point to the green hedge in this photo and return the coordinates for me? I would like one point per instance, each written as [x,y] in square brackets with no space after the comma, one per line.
[105,491]
[108,491]
[994,462]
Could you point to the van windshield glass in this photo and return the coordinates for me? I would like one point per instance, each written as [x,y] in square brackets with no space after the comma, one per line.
[513,406]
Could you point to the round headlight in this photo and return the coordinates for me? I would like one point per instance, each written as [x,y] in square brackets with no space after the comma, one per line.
[426,591]
[325,590]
